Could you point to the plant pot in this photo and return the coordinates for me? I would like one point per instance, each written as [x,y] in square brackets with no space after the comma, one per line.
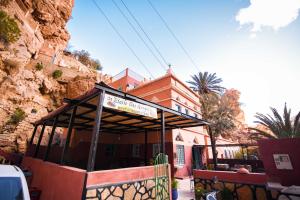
[174,194]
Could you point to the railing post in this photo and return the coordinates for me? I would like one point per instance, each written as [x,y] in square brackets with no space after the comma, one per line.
[67,142]
[51,138]
[95,134]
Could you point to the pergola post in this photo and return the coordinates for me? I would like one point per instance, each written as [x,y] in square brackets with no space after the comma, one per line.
[51,138]
[95,134]
[67,142]
[146,147]
[162,132]
[33,134]
[39,141]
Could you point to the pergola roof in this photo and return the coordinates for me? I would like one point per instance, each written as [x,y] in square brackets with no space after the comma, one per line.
[116,121]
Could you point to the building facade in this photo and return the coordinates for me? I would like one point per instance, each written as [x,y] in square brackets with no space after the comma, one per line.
[183,145]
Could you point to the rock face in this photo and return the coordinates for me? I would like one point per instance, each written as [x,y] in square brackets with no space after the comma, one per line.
[42,24]
[23,86]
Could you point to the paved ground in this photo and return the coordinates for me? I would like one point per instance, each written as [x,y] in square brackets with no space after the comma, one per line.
[184,191]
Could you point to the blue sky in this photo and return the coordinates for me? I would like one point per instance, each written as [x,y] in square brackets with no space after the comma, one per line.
[253,46]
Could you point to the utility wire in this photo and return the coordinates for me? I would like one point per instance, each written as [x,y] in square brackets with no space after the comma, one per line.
[174,36]
[121,37]
[139,35]
[145,33]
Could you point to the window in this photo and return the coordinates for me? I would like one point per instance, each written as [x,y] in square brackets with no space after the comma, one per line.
[136,150]
[178,107]
[156,149]
[187,111]
[180,154]
[11,188]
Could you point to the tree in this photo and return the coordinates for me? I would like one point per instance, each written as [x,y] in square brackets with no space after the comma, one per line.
[279,126]
[205,83]
[83,56]
[220,115]
[218,109]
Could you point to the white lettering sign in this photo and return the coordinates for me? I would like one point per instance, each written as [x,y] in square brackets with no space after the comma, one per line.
[282,161]
[118,103]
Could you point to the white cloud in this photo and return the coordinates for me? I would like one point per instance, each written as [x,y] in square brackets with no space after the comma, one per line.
[268,13]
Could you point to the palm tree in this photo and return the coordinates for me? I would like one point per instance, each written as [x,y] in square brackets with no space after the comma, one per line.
[205,83]
[207,86]
[280,127]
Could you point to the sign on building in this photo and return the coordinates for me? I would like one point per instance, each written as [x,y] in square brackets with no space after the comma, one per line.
[282,161]
[118,103]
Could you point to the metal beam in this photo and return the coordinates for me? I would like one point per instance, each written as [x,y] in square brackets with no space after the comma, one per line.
[39,141]
[51,138]
[67,142]
[95,135]
[81,104]
[146,148]
[33,134]
[162,132]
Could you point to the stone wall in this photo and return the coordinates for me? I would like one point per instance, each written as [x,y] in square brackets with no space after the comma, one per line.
[142,189]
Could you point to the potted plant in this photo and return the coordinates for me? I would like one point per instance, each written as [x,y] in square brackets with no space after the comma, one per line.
[174,189]
[199,193]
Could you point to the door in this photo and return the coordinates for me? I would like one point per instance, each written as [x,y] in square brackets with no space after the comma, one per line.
[197,157]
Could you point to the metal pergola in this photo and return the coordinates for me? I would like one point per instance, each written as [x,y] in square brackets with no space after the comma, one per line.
[88,113]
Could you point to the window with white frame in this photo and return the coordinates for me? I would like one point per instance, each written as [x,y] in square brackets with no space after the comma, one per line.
[180,155]
[136,150]
[155,149]
[178,107]
[187,111]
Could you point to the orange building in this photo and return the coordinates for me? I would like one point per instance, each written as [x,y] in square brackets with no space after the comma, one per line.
[171,92]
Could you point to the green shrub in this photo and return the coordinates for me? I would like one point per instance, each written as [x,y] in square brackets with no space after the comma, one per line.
[39,66]
[199,192]
[18,116]
[9,30]
[174,184]
[57,73]
[4,2]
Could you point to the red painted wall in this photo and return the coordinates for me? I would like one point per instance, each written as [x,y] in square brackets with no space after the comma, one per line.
[268,147]
[120,175]
[251,178]
[56,182]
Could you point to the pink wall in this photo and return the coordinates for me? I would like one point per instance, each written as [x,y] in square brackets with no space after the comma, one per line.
[290,146]
[56,182]
[251,178]
[119,175]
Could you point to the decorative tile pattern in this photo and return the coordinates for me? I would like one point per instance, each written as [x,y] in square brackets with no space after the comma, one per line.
[143,189]
[239,191]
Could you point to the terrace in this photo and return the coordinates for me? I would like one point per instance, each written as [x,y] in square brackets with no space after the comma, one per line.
[99,118]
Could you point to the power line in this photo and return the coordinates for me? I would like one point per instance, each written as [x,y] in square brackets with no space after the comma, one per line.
[174,36]
[139,35]
[145,33]
[121,37]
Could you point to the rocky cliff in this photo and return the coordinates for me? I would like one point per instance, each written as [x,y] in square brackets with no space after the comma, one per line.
[27,86]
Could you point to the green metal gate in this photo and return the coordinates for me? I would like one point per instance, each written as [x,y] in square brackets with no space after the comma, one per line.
[162,179]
